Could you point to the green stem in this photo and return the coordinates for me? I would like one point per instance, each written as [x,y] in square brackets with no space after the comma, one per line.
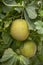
[19,6]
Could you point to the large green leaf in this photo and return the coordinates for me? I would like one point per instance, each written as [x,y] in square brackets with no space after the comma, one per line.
[31,12]
[11,58]
[29,22]
[9,62]
[7,55]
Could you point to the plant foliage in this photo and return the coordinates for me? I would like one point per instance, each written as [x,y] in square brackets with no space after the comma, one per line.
[32,12]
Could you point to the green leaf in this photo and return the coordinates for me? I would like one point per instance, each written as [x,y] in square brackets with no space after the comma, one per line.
[9,2]
[35,36]
[40,51]
[6,9]
[29,22]
[7,23]
[13,5]
[23,60]
[2,16]
[6,38]
[18,9]
[5,41]
[31,12]
[35,61]
[7,55]
[9,62]
[39,26]
[41,13]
